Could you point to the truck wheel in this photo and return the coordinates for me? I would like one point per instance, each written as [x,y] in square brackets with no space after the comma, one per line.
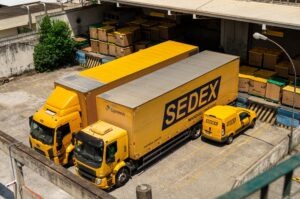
[253,123]
[195,133]
[122,177]
[230,139]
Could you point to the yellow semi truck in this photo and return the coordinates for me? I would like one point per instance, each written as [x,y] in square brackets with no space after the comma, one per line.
[72,104]
[142,119]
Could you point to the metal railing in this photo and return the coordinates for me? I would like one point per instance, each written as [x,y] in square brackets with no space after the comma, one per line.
[262,182]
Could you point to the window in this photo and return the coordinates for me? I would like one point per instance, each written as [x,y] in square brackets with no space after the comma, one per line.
[243,115]
[110,152]
[62,132]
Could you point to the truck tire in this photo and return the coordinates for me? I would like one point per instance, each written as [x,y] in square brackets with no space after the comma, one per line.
[253,123]
[230,139]
[195,132]
[122,177]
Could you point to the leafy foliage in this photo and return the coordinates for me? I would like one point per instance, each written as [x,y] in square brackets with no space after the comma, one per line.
[56,47]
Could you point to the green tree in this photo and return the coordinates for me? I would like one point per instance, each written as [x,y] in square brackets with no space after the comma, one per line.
[56,47]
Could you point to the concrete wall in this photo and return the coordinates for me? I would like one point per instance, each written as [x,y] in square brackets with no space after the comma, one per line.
[269,160]
[16,54]
[234,38]
[8,32]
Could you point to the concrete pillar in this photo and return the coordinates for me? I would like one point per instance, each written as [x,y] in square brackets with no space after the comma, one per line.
[29,17]
[20,179]
[143,191]
[234,38]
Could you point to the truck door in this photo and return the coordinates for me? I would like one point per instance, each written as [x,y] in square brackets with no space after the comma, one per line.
[245,119]
[111,151]
[63,137]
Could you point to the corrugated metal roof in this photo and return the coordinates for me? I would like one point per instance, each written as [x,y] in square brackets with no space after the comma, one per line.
[238,10]
[79,83]
[153,85]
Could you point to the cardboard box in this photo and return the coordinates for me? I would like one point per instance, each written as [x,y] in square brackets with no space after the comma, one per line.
[167,31]
[282,69]
[245,74]
[296,62]
[137,22]
[102,32]
[257,86]
[110,22]
[141,45]
[148,24]
[93,29]
[271,58]
[287,96]
[111,38]
[256,56]
[95,45]
[267,74]
[103,48]
[274,88]
[111,49]
[127,36]
[154,33]
[123,51]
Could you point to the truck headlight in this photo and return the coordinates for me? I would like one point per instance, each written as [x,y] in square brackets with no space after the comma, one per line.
[98,181]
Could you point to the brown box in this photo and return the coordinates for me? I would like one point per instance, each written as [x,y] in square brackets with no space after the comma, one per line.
[103,48]
[102,32]
[110,22]
[111,38]
[273,92]
[137,22]
[296,62]
[154,33]
[95,45]
[287,96]
[282,69]
[257,86]
[141,45]
[126,36]
[267,74]
[245,74]
[256,56]
[111,49]
[167,31]
[148,24]
[93,31]
[121,51]
[271,58]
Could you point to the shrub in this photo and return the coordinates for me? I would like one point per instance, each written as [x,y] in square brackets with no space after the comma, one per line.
[56,47]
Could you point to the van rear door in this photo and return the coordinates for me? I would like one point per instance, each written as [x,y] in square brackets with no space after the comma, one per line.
[212,126]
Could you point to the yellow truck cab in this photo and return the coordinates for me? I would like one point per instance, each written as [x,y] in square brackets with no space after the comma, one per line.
[100,150]
[72,104]
[222,123]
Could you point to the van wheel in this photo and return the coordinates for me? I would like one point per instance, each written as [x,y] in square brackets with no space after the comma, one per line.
[230,139]
[122,177]
[253,123]
[195,132]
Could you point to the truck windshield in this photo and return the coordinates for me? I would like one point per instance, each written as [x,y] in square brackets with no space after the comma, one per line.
[42,133]
[88,149]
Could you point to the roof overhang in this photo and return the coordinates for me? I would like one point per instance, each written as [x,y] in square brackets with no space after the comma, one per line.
[286,16]
[25,2]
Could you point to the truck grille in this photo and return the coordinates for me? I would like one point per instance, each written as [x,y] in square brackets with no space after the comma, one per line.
[40,151]
[86,173]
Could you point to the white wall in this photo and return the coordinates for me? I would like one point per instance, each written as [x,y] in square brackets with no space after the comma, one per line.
[16,54]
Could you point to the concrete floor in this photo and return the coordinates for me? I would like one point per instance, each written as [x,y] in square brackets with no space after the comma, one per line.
[198,169]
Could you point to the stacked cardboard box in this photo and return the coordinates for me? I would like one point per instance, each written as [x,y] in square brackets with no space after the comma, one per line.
[245,74]
[256,56]
[258,83]
[264,57]
[287,96]
[282,69]
[274,88]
